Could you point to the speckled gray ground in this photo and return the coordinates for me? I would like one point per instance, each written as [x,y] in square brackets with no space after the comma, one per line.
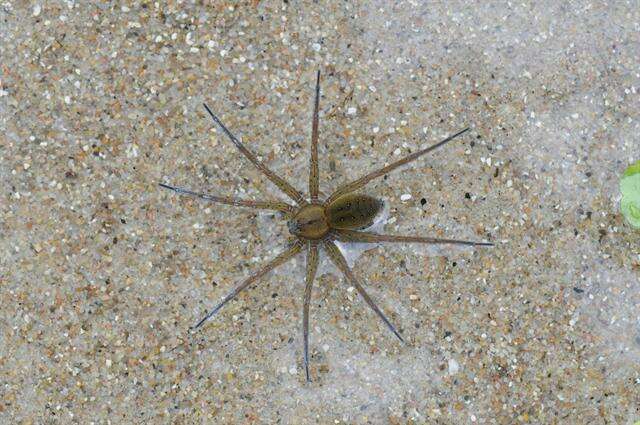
[102,273]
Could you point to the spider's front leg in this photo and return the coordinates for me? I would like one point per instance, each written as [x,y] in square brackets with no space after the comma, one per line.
[278,261]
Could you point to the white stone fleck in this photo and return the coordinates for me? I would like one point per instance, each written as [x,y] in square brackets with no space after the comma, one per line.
[454,367]
[132,151]
[405,197]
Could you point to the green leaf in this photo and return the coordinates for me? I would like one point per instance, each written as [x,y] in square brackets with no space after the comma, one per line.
[632,169]
[630,188]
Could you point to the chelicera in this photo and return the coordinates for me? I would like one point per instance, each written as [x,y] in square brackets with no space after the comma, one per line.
[313,223]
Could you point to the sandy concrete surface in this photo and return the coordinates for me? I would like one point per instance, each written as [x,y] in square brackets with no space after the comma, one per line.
[102,272]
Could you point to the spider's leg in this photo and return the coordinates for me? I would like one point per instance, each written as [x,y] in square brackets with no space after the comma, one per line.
[357,184]
[279,260]
[355,236]
[312,267]
[313,165]
[340,262]
[277,206]
[275,179]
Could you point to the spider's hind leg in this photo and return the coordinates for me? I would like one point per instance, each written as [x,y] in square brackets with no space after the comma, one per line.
[357,184]
[368,237]
[340,262]
[312,268]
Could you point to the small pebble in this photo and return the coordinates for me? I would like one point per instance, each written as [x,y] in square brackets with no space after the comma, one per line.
[454,367]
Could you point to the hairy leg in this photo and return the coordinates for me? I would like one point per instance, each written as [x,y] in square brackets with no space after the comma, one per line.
[340,262]
[355,236]
[313,165]
[279,260]
[312,268]
[275,179]
[277,206]
[357,184]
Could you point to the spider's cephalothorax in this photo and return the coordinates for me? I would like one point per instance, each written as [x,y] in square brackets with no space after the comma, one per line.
[344,216]
[309,222]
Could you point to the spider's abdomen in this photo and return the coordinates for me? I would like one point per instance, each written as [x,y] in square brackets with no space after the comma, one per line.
[353,211]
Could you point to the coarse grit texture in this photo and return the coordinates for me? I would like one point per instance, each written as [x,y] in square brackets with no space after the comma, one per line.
[102,272]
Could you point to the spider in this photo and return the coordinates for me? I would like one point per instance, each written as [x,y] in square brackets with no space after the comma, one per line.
[344,216]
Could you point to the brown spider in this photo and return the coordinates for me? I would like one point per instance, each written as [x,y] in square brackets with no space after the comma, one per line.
[343,216]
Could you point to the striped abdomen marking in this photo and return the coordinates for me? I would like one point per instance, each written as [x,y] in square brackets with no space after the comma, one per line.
[353,211]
